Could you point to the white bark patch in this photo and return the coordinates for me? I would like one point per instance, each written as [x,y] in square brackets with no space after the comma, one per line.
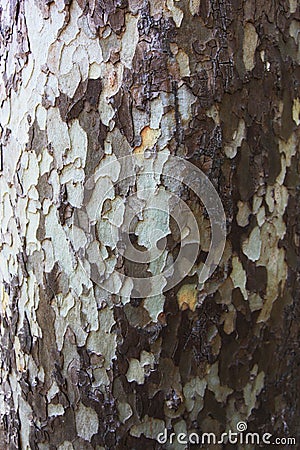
[94,71]
[255,302]
[252,245]
[154,306]
[41,32]
[194,390]
[185,102]
[115,215]
[86,422]
[25,413]
[103,190]
[51,89]
[155,223]
[72,30]
[45,162]
[89,308]
[238,276]
[243,214]
[289,148]
[293,6]
[57,132]
[176,12]
[59,240]
[55,409]
[184,63]
[129,40]
[49,256]
[261,216]
[125,411]
[54,56]
[66,63]
[277,274]
[253,389]
[5,112]
[105,346]
[31,173]
[156,113]
[237,139]
[80,56]
[150,428]
[214,385]
[94,52]
[32,227]
[66,445]
[194,6]
[108,167]
[249,46]
[78,144]
[112,79]
[296,111]
[137,369]
[135,372]
[69,82]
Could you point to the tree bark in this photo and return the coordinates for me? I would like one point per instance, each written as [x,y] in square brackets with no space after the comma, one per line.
[92,94]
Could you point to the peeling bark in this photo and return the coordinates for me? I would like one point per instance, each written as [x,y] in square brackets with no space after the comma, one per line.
[87,83]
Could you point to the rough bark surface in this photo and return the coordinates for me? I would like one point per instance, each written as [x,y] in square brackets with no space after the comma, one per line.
[215,82]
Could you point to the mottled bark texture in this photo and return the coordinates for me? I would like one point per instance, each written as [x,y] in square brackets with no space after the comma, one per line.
[213,81]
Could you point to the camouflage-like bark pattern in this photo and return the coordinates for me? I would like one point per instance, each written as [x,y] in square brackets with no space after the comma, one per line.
[216,82]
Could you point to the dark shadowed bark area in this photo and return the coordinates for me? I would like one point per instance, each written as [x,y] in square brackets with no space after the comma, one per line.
[87,362]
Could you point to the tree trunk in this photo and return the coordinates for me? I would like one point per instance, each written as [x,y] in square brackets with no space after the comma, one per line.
[125,310]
